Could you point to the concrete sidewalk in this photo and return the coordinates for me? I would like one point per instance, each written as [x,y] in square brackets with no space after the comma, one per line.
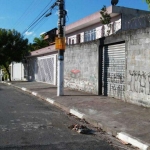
[126,121]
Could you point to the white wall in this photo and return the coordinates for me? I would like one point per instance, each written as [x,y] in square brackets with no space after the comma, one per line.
[17,71]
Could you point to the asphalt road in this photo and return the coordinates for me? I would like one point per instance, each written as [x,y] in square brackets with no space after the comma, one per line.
[28,123]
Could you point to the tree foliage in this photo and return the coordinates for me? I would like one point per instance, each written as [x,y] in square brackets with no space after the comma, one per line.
[13,47]
[105,18]
[38,43]
[148,2]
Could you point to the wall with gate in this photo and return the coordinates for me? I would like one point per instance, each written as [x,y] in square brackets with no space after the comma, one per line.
[42,69]
[113,70]
[137,76]
[81,67]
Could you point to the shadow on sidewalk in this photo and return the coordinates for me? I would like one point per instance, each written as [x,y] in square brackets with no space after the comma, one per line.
[80,95]
[44,88]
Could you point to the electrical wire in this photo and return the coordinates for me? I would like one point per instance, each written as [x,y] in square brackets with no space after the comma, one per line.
[42,11]
[40,24]
[30,11]
[36,21]
[26,12]
[38,18]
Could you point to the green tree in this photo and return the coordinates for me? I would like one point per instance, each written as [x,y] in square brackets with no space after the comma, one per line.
[13,47]
[38,43]
[148,2]
[105,18]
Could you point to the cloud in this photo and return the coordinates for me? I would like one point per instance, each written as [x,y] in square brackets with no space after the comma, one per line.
[28,33]
[42,33]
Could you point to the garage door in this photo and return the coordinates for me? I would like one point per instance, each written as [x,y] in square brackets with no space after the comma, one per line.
[113,76]
[45,70]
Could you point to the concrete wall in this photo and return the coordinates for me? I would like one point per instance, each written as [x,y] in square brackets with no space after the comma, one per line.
[138,62]
[81,67]
[138,70]
[132,18]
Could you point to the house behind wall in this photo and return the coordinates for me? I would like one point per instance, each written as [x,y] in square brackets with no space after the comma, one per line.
[107,70]
[117,67]
[90,28]
[82,66]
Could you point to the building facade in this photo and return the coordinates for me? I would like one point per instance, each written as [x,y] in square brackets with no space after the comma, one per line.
[42,65]
[97,63]
[90,28]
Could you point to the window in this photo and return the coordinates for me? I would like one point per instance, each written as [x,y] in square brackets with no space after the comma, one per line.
[90,35]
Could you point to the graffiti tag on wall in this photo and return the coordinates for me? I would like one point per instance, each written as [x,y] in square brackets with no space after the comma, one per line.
[139,82]
[75,73]
[116,85]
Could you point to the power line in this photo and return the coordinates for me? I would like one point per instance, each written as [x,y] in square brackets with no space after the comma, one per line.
[38,18]
[40,24]
[42,11]
[37,23]
[34,23]
[26,12]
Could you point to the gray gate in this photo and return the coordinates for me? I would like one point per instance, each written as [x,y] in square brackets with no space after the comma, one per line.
[46,69]
[43,69]
[113,77]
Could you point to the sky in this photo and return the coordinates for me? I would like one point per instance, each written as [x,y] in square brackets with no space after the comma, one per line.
[20,14]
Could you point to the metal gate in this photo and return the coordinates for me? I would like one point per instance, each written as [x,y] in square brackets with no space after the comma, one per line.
[43,69]
[113,76]
[31,68]
[17,71]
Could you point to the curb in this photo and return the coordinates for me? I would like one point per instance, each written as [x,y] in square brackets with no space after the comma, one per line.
[126,138]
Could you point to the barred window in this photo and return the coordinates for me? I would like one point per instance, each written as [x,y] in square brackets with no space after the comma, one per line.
[90,35]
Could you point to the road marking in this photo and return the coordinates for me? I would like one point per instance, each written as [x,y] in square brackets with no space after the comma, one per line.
[126,138]
[50,100]
[33,93]
[76,113]
[24,89]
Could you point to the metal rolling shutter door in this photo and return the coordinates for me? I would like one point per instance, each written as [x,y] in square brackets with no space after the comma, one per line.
[113,76]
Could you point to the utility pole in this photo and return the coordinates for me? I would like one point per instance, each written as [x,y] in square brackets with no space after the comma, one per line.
[60,45]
